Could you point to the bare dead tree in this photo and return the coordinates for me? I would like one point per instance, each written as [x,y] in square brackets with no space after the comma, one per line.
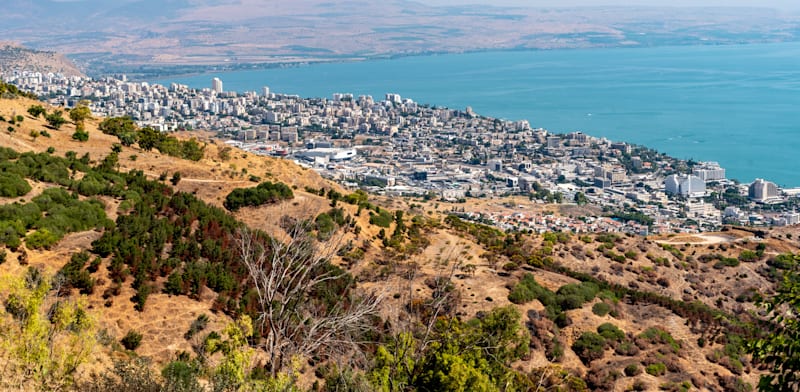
[286,275]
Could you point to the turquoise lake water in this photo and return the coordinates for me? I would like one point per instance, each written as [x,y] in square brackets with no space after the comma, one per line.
[737,105]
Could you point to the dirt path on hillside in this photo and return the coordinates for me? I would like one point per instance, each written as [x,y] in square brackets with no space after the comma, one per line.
[700,239]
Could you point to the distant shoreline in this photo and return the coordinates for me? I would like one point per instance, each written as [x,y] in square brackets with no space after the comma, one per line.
[160,73]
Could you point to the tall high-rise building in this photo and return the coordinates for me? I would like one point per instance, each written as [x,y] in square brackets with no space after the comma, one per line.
[216,85]
[265,91]
[763,191]
[685,185]
[709,171]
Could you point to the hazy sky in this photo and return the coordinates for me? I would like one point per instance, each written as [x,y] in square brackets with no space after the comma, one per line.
[789,4]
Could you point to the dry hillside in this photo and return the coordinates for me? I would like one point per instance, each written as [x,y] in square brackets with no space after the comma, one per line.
[15,57]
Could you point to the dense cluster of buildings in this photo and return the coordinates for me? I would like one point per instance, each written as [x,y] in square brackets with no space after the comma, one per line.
[396,146]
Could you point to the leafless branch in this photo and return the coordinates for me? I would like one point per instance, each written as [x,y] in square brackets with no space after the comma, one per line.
[286,275]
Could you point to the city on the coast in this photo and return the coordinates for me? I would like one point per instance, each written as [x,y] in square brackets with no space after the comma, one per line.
[398,147]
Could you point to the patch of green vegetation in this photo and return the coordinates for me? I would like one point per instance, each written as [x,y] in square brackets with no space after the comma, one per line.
[383,218]
[673,250]
[467,356]
[265,193]
[748,256]
[726,262]
[528,290]
[589,346]
[131,340]
[13,185]
[601,309]
[656,369]
[52,215]
[76,276]
[198,325]
[632,370]
[660,336]
[610,332]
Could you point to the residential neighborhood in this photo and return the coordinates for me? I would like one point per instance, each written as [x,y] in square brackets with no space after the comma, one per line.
[398,147]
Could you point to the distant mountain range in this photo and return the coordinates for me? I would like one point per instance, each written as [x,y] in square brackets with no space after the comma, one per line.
[104,36]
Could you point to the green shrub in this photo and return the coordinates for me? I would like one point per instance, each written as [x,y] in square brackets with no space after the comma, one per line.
[42,239]
[174,284]
[606,237]
[726,262]
[75,276]
[521,294]
[632,370]
[198,325]
[91,184]
[140,298]
[673,250]
[132,340]
[748,256]
[37,110]
[555,350]
[325,226]
[382,219]
[586,290]
[601,309]
[12,185]
[265,193]
[656,369]
[80,135]
[528,289]
[626,348]
[7,154]
[610,332]
[180,376]
[117,125]
[589,346]
[569,302]
[11,233]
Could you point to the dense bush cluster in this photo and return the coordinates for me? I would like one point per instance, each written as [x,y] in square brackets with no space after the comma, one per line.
[76,276]
[589,346]
[465,356]
[128,133]
[13,185]
[196,258]
[265,193]
[52,215]
[383,218]
[326,223]
[568,297]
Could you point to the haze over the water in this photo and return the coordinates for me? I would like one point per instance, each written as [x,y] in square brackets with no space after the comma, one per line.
[788,4]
